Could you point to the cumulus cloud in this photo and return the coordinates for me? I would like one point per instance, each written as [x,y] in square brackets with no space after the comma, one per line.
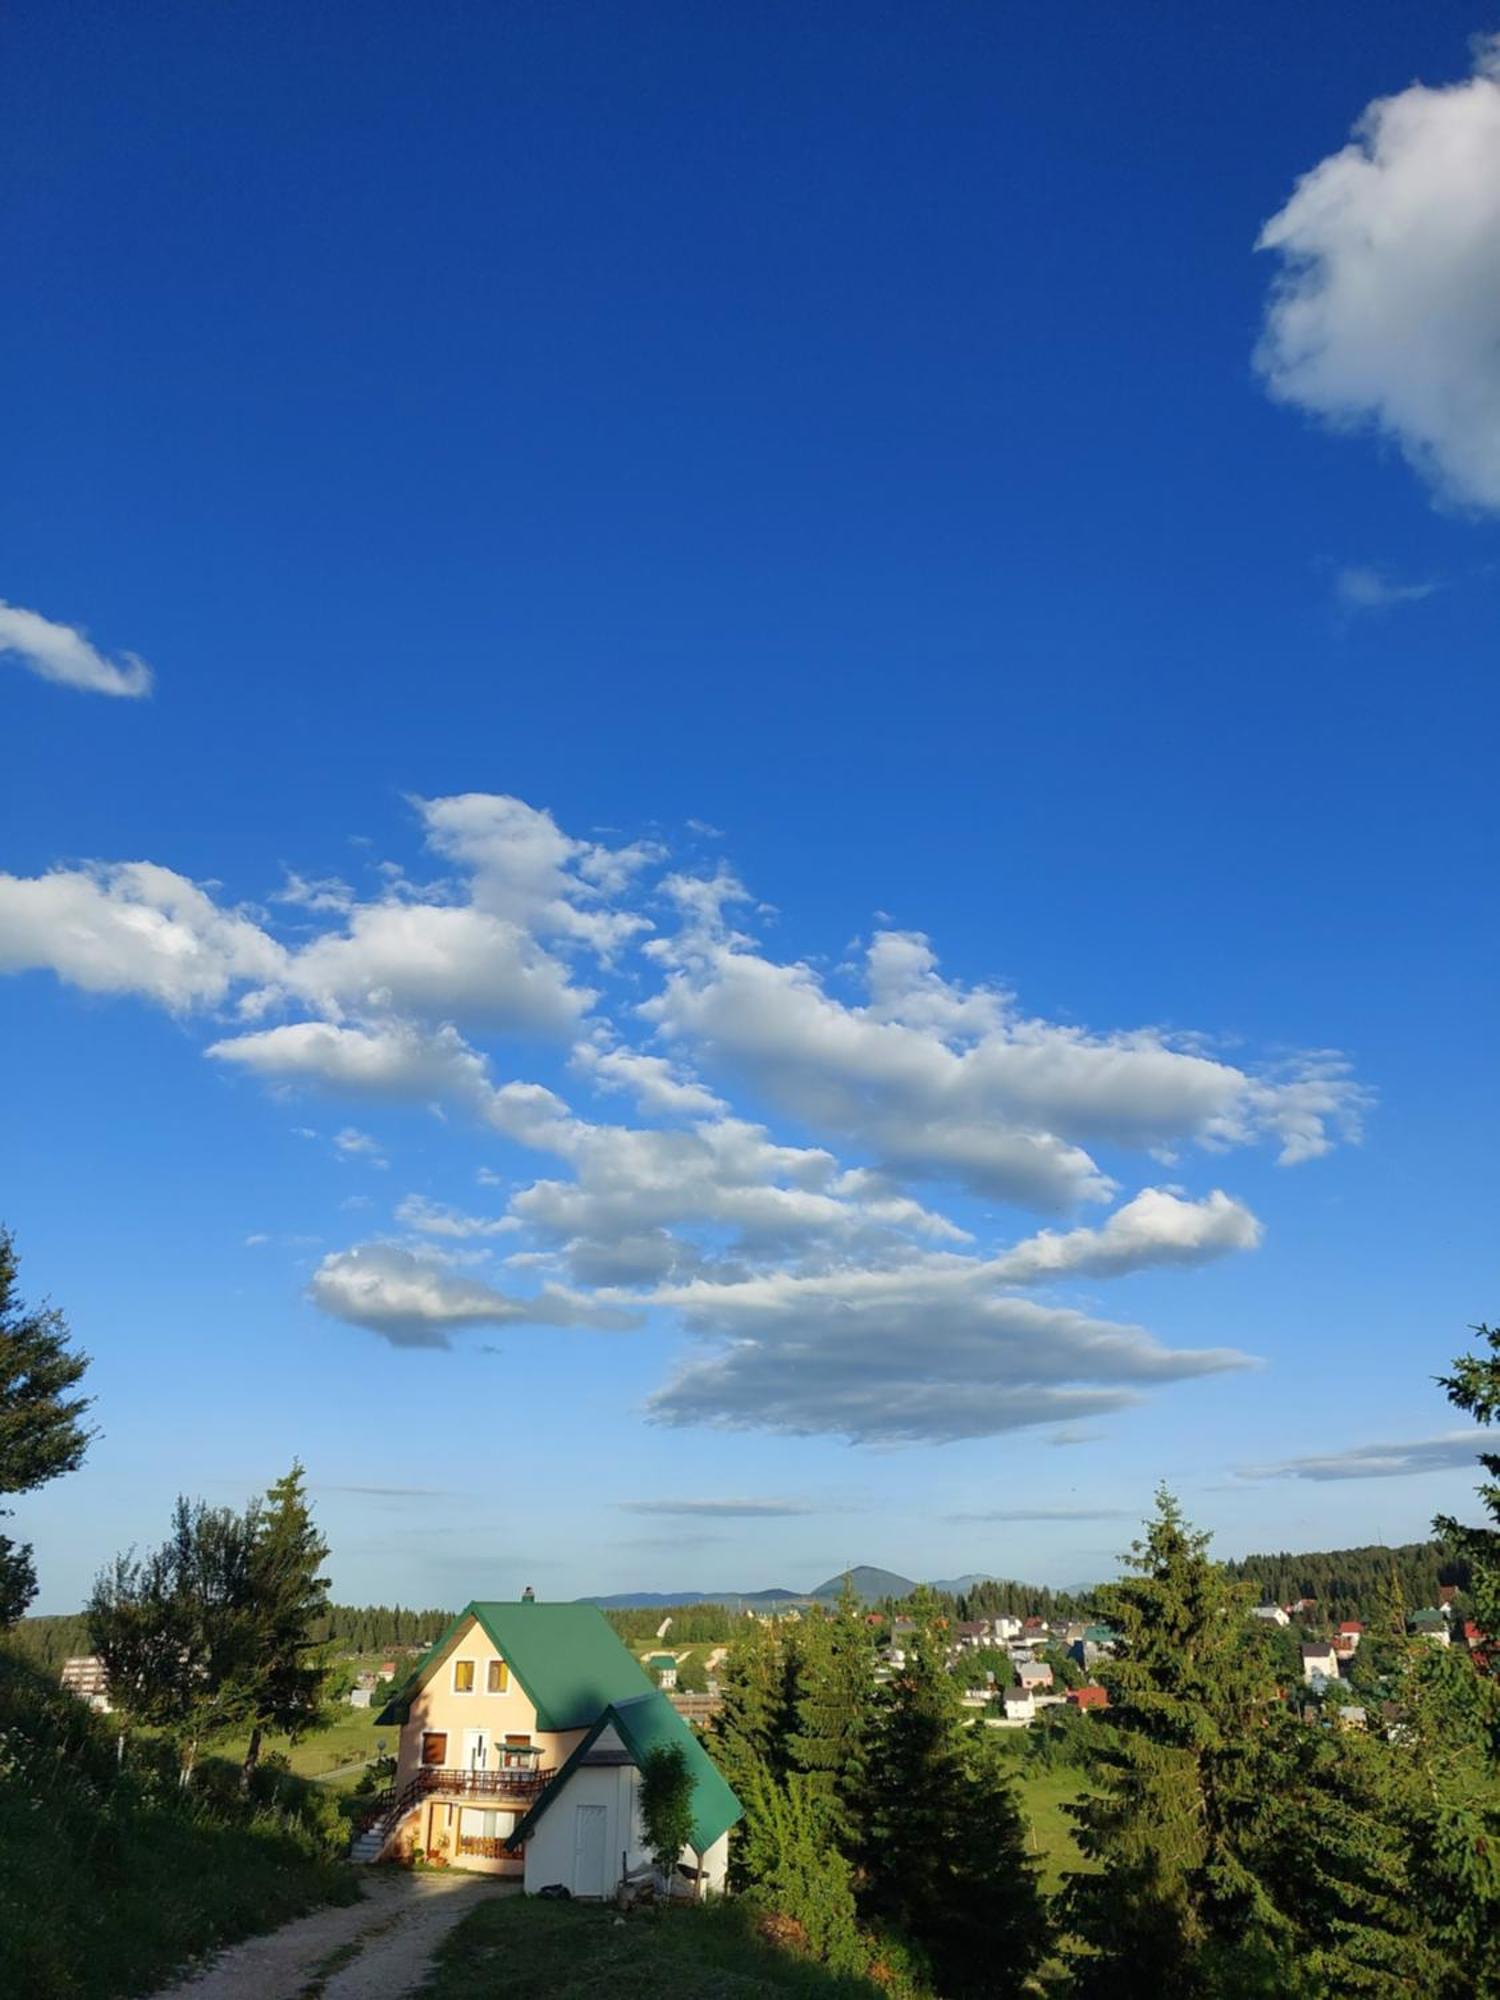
[131,927]
[718,1510]
[1379,1461]
[929,1353]
[654,1083]
[950,1083]
[396,1060]
[412,1301]
[62,653]
[431,960]
[818,1279]
[1156,1227]
[1385,313]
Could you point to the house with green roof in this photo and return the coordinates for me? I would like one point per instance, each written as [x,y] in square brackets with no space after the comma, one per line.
[522,1733]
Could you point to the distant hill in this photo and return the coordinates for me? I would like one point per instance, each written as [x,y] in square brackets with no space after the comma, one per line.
[869,1584]
[666,1600]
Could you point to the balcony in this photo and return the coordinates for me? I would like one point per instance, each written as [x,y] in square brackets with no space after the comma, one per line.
[519,1782]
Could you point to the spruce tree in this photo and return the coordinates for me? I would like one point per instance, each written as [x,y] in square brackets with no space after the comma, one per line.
[288,1596]
[753,1730]
[835,1715]
[947,1856]
[1175,1909]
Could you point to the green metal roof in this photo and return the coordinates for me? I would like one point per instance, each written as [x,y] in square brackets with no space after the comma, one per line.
[566,1657]
[648,1722]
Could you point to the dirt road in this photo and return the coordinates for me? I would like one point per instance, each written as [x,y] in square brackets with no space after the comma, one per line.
[378,1949]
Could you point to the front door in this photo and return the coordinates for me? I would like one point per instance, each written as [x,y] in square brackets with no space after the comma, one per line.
[588,1850]
[476,1749]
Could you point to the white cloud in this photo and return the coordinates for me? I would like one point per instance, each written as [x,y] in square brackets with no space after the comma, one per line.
[655,1084]
[62,653]
[822,1293]
[527,871]
[413,1302]
[395,1060]
[352,1144]
[1156,1227]
[131,927]
[1359,588]
[1380,1461]
[433,960]
[927,1353]
[952,1083]
[1385,312]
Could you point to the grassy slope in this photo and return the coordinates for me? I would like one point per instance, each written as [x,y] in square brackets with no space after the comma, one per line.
[1043,1795]
[350,1740]
[522,1949]
[109,1880]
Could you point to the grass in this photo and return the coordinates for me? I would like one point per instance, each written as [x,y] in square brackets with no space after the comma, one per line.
[111,1878]
[349,1740]
[1043,1794]
[523,1949]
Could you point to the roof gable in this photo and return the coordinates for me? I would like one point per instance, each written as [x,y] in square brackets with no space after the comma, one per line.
[565,1656]
[644,1723]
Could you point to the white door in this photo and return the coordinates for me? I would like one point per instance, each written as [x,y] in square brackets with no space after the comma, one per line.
[588,1850]
[476,1749]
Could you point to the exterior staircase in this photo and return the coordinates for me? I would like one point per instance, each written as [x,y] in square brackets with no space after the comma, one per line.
[386,1812]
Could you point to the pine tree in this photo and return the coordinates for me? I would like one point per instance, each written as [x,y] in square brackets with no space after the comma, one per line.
[835,1715]
[948,1863]
[288,1597]
[1175,1908]
[42,1433]
[799,1874]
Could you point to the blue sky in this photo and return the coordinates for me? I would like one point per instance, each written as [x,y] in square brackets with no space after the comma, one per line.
[749,815]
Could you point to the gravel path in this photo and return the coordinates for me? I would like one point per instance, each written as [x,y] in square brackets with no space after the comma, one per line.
[378,1949]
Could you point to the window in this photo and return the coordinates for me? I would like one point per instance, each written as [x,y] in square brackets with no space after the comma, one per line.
[497,1679]
[515,1747]
[463,1676]
[434,1746]
[496,1825]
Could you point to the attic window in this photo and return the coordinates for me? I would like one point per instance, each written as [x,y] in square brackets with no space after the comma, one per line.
[463,1676]
[497,1677]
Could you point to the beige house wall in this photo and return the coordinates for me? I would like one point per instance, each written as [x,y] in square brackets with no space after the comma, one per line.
[439,1706]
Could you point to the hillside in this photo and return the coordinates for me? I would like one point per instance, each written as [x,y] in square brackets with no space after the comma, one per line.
[111,1877]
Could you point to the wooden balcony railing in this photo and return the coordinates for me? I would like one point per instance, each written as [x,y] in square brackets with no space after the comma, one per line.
[511,1781]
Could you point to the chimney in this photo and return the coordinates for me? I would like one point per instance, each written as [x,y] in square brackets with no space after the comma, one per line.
[528,1595]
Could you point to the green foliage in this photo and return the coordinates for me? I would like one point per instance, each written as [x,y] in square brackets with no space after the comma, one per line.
[692,1624]
[212,1632]
[287,1597]
[177,1631]
[42,1433]
[799,1873]
[111,1877]
[835,1708]
[666,1803]
[947,1861]
[1349,1583]
[1474,1386]
[1178,1781]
